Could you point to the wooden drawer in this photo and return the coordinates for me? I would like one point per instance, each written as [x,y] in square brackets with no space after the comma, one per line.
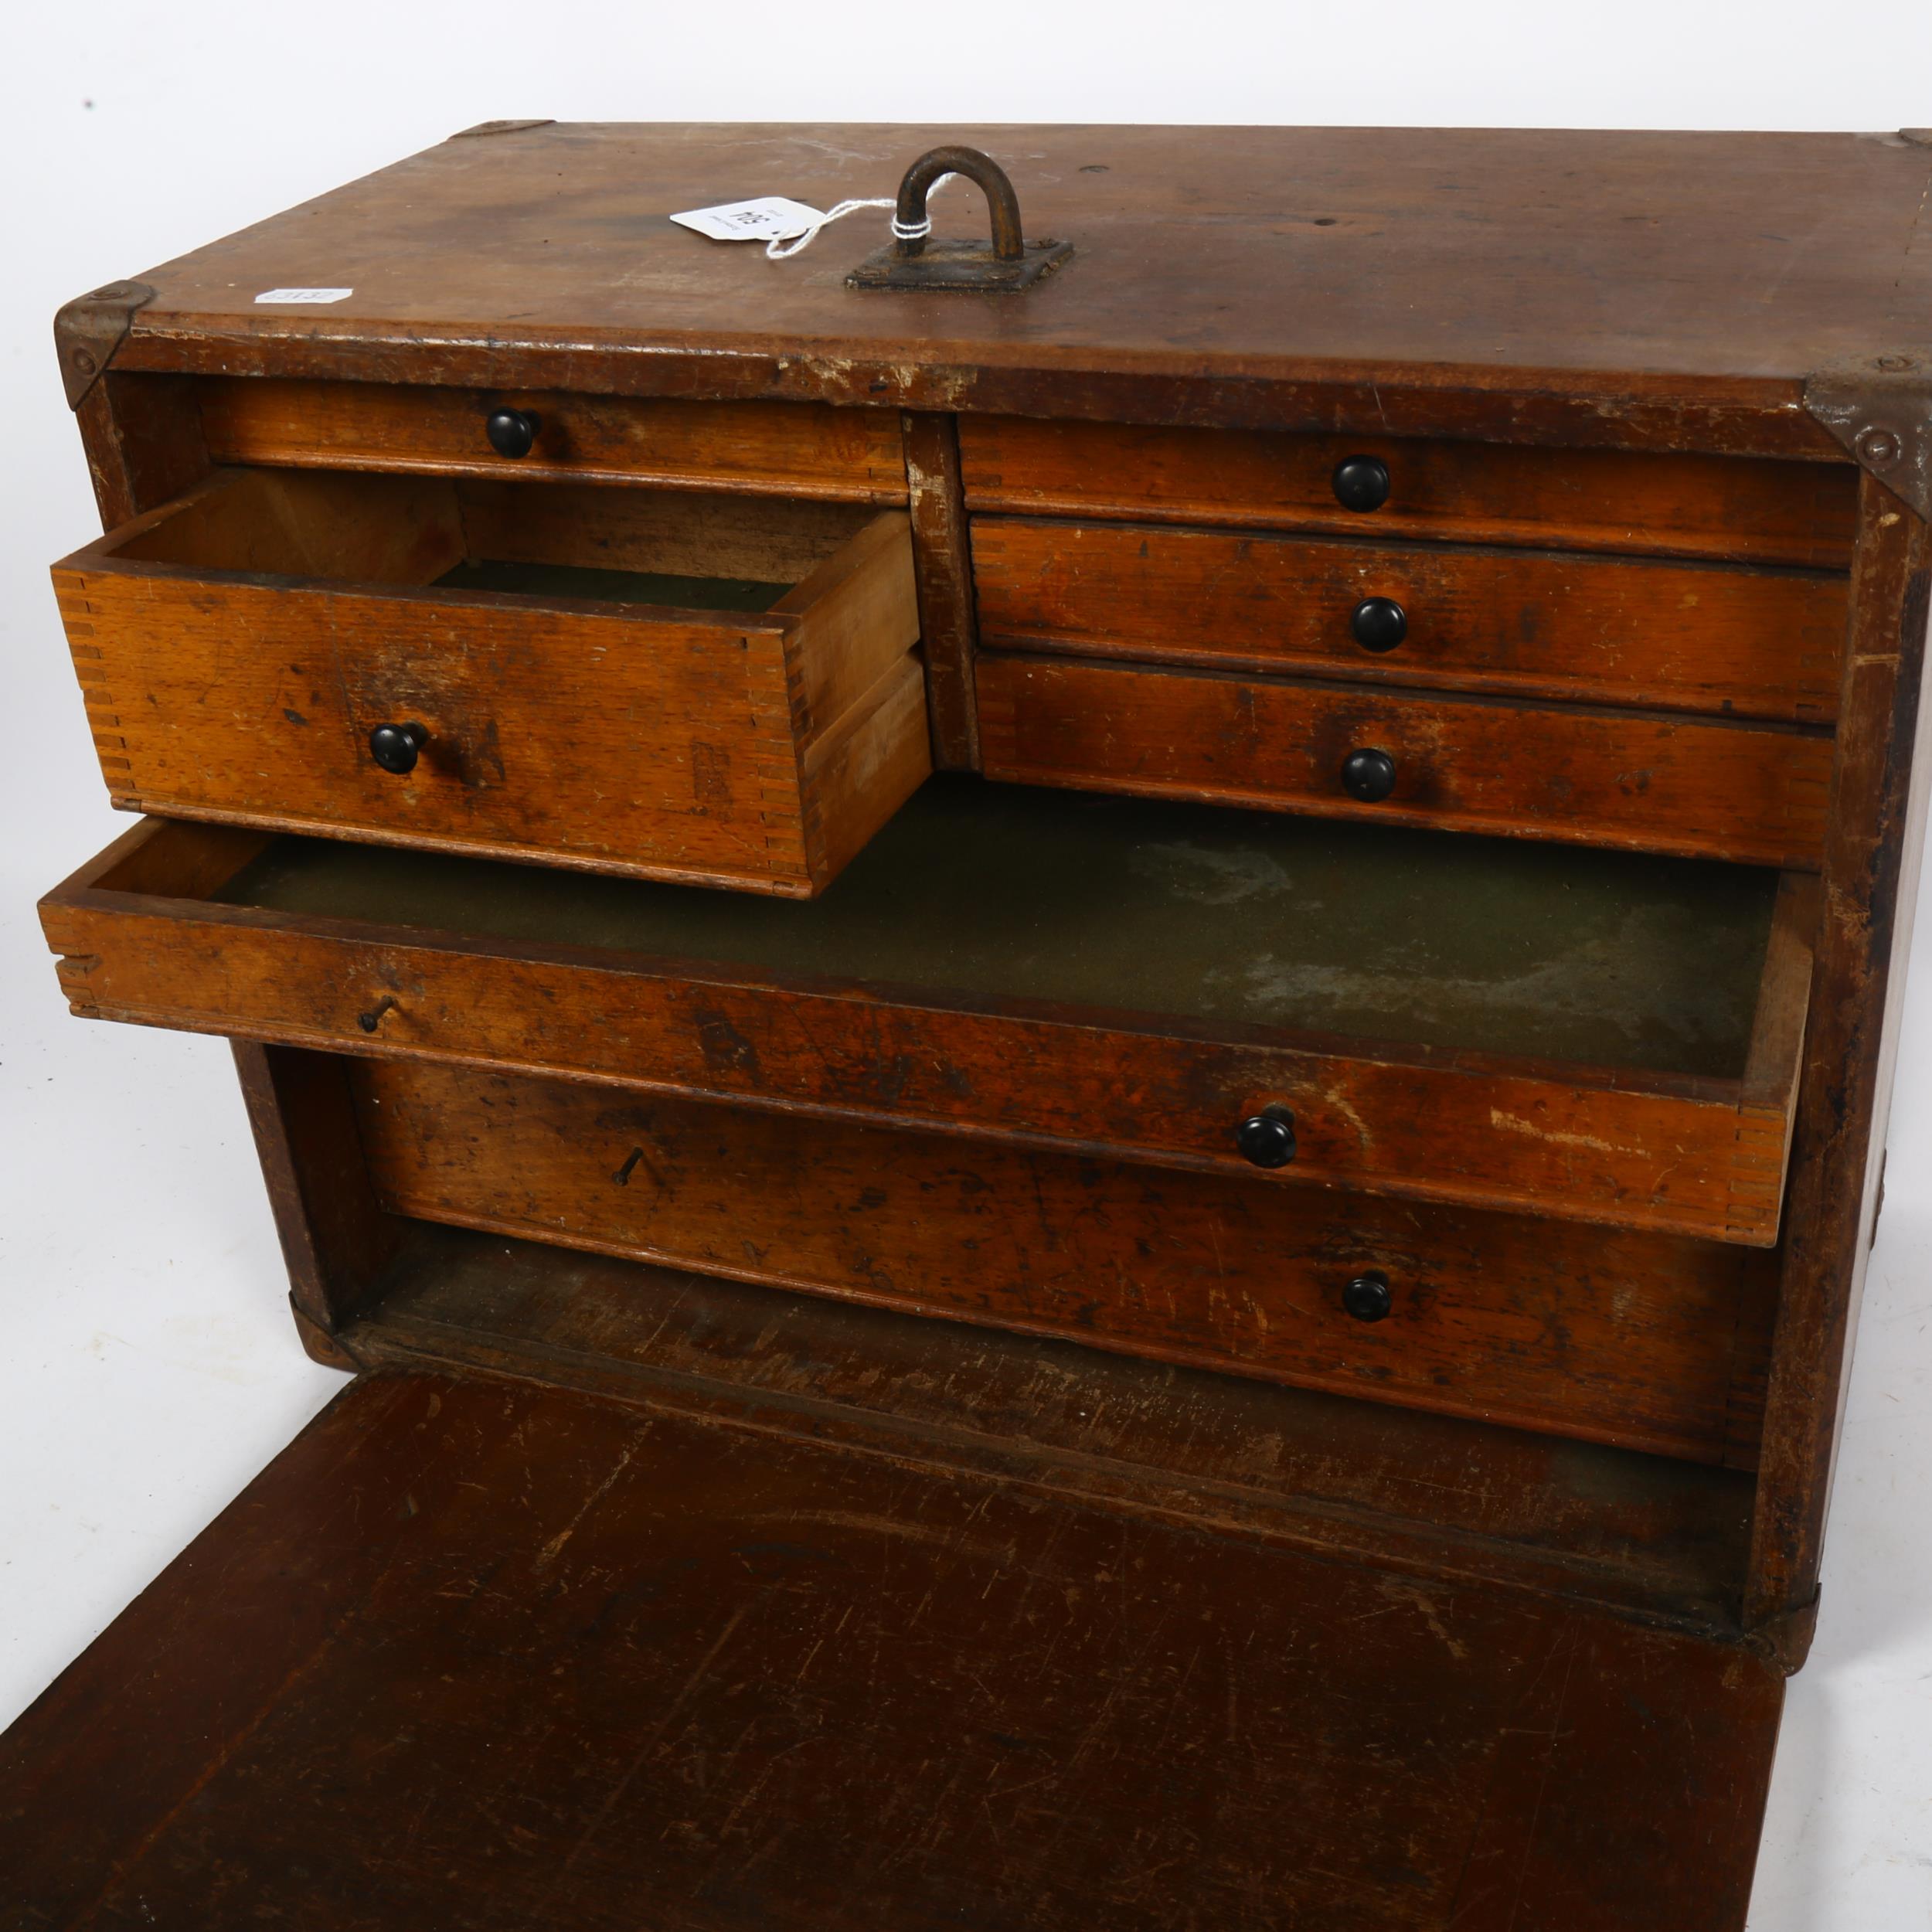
[1711,788]
[1750,510]
[1754,643]
[714,688]
[1489,1022]
[785,449]
[1649,1341]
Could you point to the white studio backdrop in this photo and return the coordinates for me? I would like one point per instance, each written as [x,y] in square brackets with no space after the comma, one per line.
[147,1365]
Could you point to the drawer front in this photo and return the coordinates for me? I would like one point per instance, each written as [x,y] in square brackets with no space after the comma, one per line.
[788,449]
[1750,643]
[1728,507]
[756,749]
[1647,1342]
[1704,788]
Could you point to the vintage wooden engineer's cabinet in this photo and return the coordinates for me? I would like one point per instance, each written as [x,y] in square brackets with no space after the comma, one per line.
[1082,1031]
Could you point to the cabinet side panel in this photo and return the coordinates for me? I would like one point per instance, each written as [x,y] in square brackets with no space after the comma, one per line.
[1875,833]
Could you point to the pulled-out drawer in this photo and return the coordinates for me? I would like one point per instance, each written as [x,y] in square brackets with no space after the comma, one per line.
[1721,638]
[1709,787]
[1747,509]
[1597,1036]
[786,449]
[717,688]
[1650,1341]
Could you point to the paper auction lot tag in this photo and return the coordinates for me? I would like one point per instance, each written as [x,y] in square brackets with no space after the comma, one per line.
[770,218]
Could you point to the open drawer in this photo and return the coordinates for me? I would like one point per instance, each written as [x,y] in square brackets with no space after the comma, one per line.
[1602,1036]
[663,683]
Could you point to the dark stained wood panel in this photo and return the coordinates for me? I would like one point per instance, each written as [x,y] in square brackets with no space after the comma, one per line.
[1687,277]
[737,1684]
[802,450]
[1639,1340]
[1641,503]
[1743,643]
[1648,782]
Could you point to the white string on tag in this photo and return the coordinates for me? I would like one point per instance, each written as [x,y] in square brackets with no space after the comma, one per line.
[778,248]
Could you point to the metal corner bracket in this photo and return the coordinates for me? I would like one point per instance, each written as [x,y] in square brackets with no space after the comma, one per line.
[1880,408]
[89,329]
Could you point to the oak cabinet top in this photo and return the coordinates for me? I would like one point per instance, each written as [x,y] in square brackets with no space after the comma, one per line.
[1602,272]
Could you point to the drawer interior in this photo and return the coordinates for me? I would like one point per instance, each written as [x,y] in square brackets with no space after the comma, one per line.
[1230,918]
[682,549]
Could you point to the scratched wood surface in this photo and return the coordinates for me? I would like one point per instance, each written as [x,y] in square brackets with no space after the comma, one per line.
[1657,1536]
[1622,288]
[488,1653]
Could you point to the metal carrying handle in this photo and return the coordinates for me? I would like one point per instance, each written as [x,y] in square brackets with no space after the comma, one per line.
[912,225]
[911,260]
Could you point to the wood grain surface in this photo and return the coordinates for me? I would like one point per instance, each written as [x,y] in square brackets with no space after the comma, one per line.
[1879,801]
[1748,644]
[797,450]
[1448,491]
[1624,289]
[734,1681]
[1644,782]
[1643,1341]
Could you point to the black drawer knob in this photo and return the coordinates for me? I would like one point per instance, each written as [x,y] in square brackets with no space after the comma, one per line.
[1378,623]
[396,748]
[1369,775]
[1361,482]
[1367,1296]
[1267,1138]
[511,432]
